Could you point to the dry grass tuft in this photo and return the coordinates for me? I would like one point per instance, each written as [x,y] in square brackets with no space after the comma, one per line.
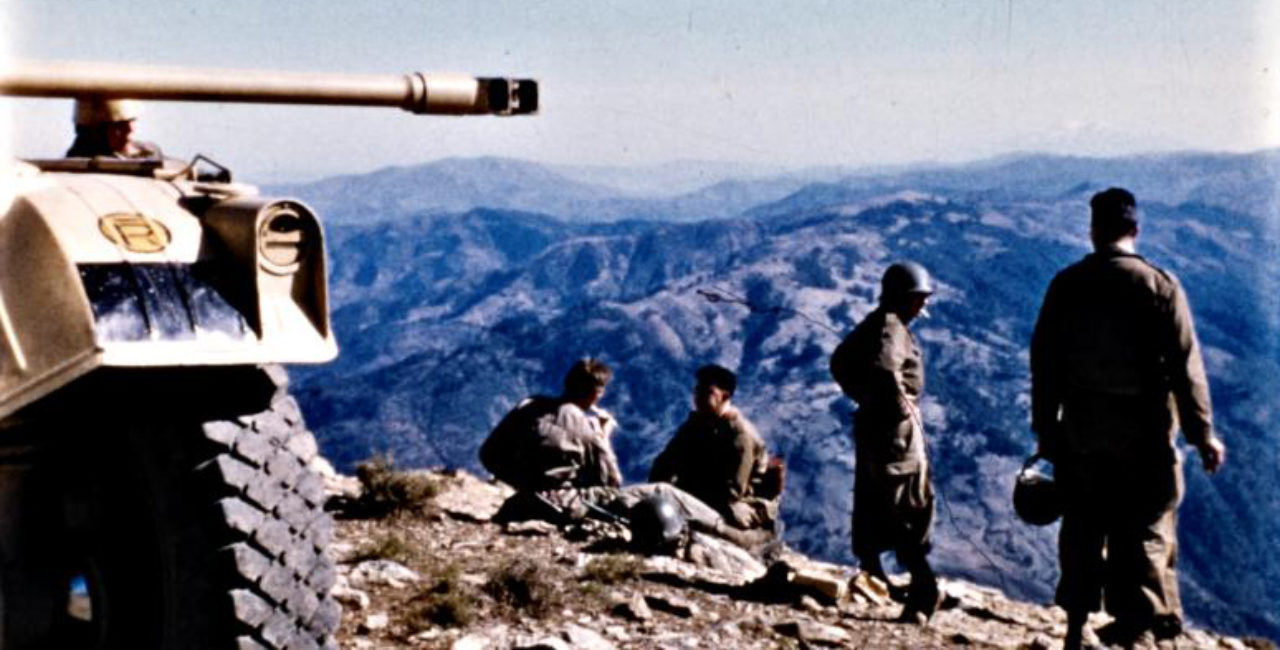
[519,585]
[612,569]
[388,491]
[446,601]
[389,546]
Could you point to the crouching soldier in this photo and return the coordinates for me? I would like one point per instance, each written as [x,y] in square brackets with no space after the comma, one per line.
[718,456]
[879,366]
[547,443]
[556,453]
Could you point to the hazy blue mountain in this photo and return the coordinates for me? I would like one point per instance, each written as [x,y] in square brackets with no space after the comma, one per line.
[446,320]
[1243,183]
[457,185]
[676,178]
[669,179]
[696,191]
[450,185]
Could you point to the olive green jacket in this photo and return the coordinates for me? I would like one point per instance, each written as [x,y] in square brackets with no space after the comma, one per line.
[880,367]
[1114,358]
[713,458]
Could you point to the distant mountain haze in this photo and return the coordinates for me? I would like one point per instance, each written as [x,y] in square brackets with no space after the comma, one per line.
[676,192]
[462,286]
[694,191]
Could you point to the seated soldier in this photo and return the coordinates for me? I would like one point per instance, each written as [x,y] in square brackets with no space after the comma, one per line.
[556,453]
[718,457]
[546,443]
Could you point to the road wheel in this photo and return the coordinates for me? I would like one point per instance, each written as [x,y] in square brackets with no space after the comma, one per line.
[162,511]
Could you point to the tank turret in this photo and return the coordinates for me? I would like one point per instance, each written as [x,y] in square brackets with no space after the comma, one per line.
[158,485]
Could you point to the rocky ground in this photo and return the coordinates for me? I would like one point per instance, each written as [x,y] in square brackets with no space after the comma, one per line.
[422,566]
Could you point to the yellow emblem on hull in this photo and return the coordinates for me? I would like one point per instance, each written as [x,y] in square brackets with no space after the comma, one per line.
[135,232]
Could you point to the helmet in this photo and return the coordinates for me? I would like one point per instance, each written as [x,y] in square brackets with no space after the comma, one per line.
[657,525]
[905,278]
[1035,496]
[91,111]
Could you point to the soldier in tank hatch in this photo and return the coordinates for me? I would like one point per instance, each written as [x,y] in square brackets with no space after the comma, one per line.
[1115,365]
[718,456]
[104,127]
[879,366]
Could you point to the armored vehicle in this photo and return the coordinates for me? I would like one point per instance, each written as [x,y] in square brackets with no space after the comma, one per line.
[157,482]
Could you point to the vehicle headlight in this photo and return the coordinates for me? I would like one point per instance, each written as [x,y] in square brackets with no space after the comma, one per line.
[286,238]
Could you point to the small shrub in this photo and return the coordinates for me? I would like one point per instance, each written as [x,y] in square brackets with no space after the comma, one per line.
[386,547]
[389,491]
[520,586]
[446,601]
[612,569]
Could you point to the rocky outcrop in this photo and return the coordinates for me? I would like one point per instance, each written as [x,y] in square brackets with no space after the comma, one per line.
[446,320]
[447,577]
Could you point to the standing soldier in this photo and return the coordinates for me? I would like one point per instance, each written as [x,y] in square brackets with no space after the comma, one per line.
[1113,352]
[879,366]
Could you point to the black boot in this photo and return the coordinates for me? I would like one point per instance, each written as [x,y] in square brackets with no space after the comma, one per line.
[1075,630]
[1166,626]
[923,595]
[752,541]
[871,566]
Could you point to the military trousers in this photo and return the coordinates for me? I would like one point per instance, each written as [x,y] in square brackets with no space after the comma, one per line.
[621,500]
[576,504]
[891,512]
[1118,540]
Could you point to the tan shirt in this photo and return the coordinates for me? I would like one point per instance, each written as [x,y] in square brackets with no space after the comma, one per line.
[549,443]
[591,431]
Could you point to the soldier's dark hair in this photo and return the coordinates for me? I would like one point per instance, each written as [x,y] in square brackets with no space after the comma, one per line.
[585,376]
[1115,214]
[718,376]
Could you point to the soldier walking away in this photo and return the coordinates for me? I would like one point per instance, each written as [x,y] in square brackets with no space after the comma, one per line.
[718,456]
[1114,364]
[879,366]
[104,127]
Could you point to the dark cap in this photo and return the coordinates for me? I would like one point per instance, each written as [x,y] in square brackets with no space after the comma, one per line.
[718,376]
[1114,213]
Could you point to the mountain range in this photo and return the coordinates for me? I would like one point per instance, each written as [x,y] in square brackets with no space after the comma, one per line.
[678,192]
[462,286]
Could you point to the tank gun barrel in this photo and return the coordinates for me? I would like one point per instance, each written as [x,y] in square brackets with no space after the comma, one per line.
[417,92]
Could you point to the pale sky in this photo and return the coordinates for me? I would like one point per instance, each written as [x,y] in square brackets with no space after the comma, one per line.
[798,83]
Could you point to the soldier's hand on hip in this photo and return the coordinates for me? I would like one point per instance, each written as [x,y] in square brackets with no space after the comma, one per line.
[1213,454]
